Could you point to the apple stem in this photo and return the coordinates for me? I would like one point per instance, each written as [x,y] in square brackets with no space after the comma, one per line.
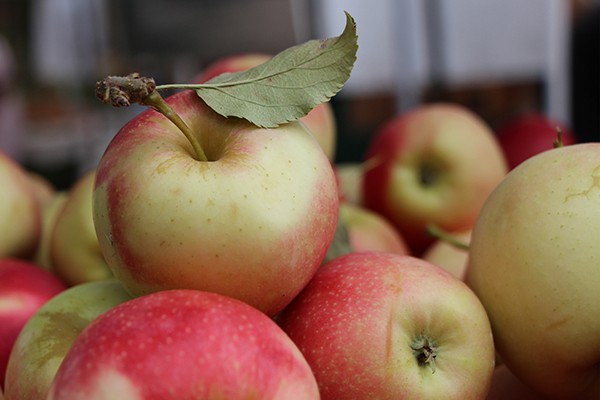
[425,352]
[558,142]
[122,91]
[439,233]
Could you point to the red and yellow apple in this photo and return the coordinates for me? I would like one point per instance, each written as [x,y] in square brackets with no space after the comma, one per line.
[386,326]
[534,263]
[435,164]
[253,221]
[183,344]
[320,120]
[448,256]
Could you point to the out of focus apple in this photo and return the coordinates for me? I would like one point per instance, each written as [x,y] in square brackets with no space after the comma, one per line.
[49,334]
[74,251]
[24,287]
[50,211]
[369,231]
[349,177]
[435,164]
[320,120]
[533,262]
[505,385]
[183,344]
[451,255]
[529,134]
[252,220]
[42,187]
[20,213]
[386,326]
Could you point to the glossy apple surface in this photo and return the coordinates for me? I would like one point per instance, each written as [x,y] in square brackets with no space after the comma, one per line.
[435,164]
[320,120]
[533,262]
[529,134]
[183,344]
[24,287]
[387,326]
[254,222]
[74,250]
[49,334]
[20,211]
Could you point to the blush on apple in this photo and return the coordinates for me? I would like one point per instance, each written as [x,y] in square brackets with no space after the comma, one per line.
[385,326]
[24,287]
[529,134]
[435,164]
[183,344]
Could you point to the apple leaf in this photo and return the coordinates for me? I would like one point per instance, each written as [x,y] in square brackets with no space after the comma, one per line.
[287,86]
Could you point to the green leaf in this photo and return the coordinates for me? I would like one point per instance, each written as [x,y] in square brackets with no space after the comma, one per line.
[288,85]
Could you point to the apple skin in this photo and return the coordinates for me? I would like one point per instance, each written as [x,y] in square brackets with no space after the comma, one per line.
[320,120]
[357,320]
[183,344]
[506,386]
[533,262]
[349,177]
[529,134]
[448,256]
[435,164]
[74,250]
[50,332]
[24,287]
[20,211]
[254,224]
[369,231]
[50,211]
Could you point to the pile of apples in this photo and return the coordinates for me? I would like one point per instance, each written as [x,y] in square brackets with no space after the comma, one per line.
[270,272]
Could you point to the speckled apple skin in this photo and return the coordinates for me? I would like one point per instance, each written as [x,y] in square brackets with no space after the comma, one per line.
[183,344]
[254,224]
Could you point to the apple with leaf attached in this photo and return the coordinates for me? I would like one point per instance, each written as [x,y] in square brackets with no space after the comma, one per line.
[320,120]
[222,190]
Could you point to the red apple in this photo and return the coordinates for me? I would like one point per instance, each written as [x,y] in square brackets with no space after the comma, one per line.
[529,134]
[24,287]
[369,231]
[320,120]
[387,326]
[435,164]
[183,344]
[253,221]
[20,211]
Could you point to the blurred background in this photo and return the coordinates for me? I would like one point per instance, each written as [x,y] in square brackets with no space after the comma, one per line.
[500,58]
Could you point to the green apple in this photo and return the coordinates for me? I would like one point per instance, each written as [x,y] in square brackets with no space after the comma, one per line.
[349,177]
[49,334]
[534,263]
[74,251]
[253,221]
[50,211]
[20,212]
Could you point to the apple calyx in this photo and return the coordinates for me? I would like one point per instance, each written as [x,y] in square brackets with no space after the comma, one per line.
[425,352]
[122,91]
[439,233]
[428,174]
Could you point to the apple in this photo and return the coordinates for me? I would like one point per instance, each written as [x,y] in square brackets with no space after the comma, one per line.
[320,120]
[528,134]
[533,262]
[386,326]
[20,214]
[50,211]
[435,164]
[24,287]
[369,231]
[447,255]
[74,250]
[183,344]
[349,177]
[506,386]
[253,222]
[42,187]
[50,332]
